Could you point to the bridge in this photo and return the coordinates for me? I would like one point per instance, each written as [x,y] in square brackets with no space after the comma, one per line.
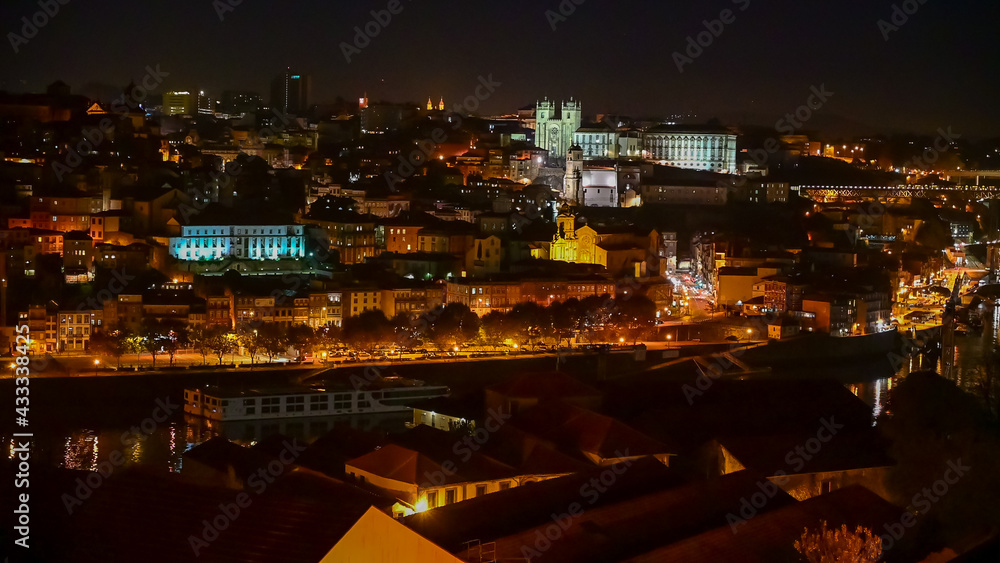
[898,191]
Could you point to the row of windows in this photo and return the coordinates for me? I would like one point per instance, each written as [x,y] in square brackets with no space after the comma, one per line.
[252,242]
[227,231]
[451,495]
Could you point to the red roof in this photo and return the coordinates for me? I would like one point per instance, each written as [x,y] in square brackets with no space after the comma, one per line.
[397,463]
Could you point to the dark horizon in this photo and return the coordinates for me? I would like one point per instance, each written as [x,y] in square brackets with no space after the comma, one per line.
[615,58]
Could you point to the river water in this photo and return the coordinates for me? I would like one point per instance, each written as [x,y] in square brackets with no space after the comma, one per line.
[86,421]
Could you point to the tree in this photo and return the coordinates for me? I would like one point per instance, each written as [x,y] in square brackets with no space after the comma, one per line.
[595,314]
[201,340]
[566,318]
[634,316]
[328,337]
[250,340]
[453,325]
[302,338]
[221,342]
[175,337]
[493,329]
[403,330]
[367,330]
[528,322]
[839,546]
[152,338]
[273,340]
[112,342]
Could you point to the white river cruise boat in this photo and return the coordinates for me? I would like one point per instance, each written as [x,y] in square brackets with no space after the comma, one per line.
[386,395]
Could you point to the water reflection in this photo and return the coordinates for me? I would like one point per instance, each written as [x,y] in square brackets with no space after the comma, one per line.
[87,449]
[306,429]
[874,393]
[81,451]
[164,448]
[974,350]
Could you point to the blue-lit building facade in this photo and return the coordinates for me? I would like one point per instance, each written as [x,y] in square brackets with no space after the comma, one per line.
[246,242]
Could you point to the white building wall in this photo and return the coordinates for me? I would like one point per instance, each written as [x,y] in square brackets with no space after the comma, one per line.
[600,197]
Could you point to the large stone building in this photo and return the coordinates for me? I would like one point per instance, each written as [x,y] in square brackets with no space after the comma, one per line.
[621,251]
[556,125]
[601,183]
[695,148]
[602,141]
[249,242]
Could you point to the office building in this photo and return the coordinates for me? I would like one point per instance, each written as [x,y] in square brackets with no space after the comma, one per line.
[178,103]
[290,92]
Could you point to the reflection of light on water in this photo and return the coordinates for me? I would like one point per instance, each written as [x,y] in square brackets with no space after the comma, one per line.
[175,459]
[877,409]
[133,451]
[80,451]
[996,325]
[958,366]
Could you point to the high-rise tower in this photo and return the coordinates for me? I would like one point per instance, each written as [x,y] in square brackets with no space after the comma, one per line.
[290,92]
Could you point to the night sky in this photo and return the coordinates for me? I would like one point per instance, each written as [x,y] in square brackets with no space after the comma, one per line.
[938,69]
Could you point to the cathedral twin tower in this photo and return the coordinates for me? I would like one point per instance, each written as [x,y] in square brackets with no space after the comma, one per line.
[555,126]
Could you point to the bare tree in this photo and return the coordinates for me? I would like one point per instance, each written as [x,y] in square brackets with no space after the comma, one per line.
[839,546]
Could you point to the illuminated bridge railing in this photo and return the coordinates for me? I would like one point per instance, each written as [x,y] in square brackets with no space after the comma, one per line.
[896,191]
